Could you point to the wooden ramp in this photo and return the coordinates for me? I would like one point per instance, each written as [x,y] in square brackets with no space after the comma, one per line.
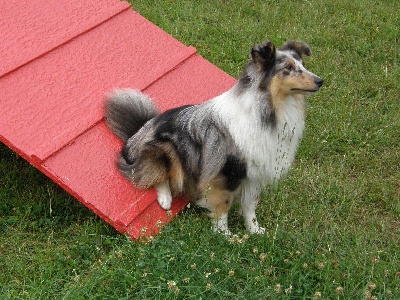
[57,61]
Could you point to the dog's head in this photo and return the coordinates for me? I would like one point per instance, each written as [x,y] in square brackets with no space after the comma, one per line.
[281,71]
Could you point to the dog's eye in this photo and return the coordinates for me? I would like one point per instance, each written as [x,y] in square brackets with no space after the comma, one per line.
[290,68]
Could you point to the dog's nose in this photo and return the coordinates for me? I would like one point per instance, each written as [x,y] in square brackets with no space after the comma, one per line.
[318,81]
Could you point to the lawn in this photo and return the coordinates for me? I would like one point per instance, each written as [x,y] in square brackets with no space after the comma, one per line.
[333,224]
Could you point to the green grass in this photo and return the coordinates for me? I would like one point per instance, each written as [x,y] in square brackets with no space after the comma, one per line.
[333,225]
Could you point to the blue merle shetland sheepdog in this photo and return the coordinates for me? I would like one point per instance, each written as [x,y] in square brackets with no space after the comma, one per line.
[227,148]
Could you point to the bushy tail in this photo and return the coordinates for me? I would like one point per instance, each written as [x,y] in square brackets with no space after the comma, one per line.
[127,111]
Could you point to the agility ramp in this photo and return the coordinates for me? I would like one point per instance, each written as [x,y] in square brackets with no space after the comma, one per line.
[57,61]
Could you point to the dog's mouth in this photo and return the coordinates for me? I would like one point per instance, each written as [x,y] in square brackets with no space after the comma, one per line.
[304,91]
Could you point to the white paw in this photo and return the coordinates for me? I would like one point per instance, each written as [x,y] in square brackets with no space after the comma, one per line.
[224,231]
[257,230]
[221,225]
[164,196]
[253,227]
[165,201]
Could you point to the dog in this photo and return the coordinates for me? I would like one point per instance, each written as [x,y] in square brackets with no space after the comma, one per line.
[227,148]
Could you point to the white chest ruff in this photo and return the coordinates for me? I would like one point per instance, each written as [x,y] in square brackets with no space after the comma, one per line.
[269,151]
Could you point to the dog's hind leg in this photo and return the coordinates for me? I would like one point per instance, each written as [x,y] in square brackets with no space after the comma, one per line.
[221,224]
[218,201]
[164,196]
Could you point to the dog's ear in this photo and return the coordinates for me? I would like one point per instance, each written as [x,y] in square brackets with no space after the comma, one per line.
[299,47]
[263,54]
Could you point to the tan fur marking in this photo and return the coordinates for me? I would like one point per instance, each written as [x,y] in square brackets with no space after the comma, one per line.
[281,87]
[153,171]
[216,199]
[279,91]
[176,175]
[258,61]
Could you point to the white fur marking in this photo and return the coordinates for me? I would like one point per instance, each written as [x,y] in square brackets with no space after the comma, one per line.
[164,196]
[221,225]
[249,201]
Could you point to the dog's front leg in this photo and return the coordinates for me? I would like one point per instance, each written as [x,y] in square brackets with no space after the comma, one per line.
[250,218]
[249,201]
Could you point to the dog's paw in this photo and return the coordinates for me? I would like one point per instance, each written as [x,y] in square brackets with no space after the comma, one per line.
[165,201]
[223,231]
[221,225]
[254,228]
[164,196]
[258,230]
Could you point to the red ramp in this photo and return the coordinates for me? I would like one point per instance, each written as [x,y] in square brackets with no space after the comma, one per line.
[58,60]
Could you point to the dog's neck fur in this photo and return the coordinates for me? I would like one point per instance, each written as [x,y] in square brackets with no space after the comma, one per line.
[268,149]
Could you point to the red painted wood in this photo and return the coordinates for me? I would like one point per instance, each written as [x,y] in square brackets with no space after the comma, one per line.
[31,28]
[66,87]
[52,99]
[194,81]
[150,221]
